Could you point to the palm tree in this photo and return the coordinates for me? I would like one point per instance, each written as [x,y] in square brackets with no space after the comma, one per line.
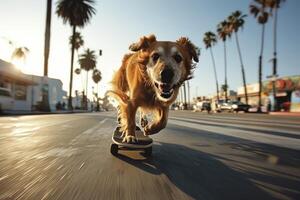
[20,53]
[78,40]
[47,37]
[209,40]
[224,32]
[45,101]
[87,62]
[274,5]
[77,13]
[236,21]
[258,10]
[97,78]
[77,71]
[224,88]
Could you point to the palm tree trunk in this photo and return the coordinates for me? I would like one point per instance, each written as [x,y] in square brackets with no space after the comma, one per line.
[181,94]
[242,67]
[215,72]
[275,56]
[225,65]
[45,92]
[260,68]
[71,72]
[86,88]
[47,37]
[189,96]
[97,98]
[184,92]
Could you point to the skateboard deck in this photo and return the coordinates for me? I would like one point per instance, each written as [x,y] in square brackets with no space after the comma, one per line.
[142,142]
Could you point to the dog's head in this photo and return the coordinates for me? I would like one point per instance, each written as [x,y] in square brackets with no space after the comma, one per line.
[165,64]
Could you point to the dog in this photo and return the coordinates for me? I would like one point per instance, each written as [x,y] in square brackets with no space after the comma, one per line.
[149,79]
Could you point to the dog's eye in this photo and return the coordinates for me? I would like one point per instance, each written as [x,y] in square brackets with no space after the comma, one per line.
[177,58]
[155,57]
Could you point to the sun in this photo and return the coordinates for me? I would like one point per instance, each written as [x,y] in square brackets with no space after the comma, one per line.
[19,65]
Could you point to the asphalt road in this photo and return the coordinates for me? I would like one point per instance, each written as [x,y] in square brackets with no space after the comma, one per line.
[198,156]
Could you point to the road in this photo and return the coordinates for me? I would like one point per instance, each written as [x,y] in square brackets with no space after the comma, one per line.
[198,156]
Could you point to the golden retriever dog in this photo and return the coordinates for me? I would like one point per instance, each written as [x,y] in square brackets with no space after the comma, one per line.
[149,79]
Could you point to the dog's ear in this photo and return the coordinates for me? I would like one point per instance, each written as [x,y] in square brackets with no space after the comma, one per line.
[144,43]
[189,47]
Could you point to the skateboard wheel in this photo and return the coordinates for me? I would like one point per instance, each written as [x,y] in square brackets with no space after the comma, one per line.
[114,149]
[148,151]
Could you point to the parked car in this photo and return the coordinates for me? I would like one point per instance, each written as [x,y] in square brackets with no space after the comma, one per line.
[202,106]
[237,106]
[233,106]
[6,100]
[206,106]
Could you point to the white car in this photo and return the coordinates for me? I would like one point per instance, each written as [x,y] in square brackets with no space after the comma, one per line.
[6,100]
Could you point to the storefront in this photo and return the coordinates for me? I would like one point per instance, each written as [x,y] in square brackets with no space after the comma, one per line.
[287,90]
[24,91]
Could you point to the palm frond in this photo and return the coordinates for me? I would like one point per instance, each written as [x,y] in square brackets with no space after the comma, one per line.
[87,60]
[75,12]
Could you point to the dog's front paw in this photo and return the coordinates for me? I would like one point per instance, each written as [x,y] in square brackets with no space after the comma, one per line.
[129,139]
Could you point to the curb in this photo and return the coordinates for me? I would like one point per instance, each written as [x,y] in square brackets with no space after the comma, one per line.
[296,114]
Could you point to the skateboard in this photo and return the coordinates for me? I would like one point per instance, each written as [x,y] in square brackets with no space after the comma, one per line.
[143,142]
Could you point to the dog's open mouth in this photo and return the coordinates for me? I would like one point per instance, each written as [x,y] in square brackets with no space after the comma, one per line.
[165,90]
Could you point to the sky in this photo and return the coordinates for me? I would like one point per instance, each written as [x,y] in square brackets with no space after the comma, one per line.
[118,23]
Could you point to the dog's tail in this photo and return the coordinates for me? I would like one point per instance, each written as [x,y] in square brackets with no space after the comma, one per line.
[119,81]
[121,97]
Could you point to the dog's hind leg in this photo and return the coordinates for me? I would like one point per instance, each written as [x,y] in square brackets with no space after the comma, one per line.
[160,121]
[143,119]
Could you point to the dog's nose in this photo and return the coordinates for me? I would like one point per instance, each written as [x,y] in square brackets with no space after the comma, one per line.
[166,75]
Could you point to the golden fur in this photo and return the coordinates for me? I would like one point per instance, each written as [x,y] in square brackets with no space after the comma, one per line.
[139,84]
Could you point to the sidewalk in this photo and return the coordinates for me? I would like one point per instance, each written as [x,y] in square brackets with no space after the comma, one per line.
[7,113]
[297,114]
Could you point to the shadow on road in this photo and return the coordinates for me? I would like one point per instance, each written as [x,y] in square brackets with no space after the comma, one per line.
[203,176]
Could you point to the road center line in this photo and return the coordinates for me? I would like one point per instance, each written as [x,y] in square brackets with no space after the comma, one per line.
[243,134]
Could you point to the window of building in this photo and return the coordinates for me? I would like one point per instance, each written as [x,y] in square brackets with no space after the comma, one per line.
[20,92]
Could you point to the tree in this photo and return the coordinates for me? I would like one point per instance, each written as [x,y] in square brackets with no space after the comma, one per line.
[258,10]
[97,78]
[236,21]
[274,5]
[224,32]
[87,62]
[77,13]
[209,40]
[77,39]
[20,53]
[45,96]
[47,37]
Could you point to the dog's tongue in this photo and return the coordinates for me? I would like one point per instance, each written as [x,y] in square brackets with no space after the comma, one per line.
[165,87]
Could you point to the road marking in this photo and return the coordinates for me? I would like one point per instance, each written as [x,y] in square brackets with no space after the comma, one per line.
[230,123]
[93,131]
[243,134]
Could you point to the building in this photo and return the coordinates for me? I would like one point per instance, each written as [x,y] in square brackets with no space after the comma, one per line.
[25,91]
[287,90]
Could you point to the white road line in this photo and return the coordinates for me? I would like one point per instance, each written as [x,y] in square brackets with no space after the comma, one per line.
[253,120]
[91,132]
[248,135]
[250,126]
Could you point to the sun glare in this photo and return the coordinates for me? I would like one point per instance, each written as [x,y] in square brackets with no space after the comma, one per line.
[19,65]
